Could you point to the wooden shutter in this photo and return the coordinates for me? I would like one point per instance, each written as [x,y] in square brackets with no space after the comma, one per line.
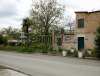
[81,23]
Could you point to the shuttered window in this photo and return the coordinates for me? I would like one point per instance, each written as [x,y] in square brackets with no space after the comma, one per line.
[81,23]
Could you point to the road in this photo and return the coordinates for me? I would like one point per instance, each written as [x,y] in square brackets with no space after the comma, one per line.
[45,65]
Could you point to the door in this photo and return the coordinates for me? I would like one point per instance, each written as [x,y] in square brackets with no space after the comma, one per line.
[80,43]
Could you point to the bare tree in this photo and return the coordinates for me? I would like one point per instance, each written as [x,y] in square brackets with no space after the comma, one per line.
[70,23]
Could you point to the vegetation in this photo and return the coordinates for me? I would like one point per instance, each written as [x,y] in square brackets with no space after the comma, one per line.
[10,32]
[26,24]
[69,52]
[2,67]
[3,40]
[97,42]
[46,15]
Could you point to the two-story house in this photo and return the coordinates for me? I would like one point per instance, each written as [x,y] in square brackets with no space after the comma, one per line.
[86,25]
[83,37]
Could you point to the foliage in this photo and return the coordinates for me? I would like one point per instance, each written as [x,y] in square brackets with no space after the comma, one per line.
[10,32]
[97,42]
[46,15]
[12,48]
[26,24]
[53,52]
[2,67]
[1,39]
[44,52]
[69,52]
[80,51]
[75,54]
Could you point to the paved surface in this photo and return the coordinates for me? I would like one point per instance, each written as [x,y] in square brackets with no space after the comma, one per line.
[44,65]
[8,72]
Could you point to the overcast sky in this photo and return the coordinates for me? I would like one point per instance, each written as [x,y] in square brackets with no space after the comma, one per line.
[13,11]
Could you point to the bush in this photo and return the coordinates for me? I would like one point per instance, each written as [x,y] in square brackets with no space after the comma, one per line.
[75,54]
[2,39]
[97,42]
[69,52]
[44,52]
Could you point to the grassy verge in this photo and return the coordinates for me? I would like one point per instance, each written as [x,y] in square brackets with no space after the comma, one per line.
[1,67]
[35,48]
[12,48]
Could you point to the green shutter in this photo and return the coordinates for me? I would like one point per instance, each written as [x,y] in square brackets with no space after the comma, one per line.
[59,41]
[81,23]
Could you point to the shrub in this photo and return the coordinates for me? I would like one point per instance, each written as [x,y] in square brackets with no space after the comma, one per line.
[97,42]
[69,52]
[1,39]
[75,54]
[44,52]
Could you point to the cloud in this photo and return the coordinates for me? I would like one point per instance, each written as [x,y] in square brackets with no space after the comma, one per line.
[12,12]
[7,8]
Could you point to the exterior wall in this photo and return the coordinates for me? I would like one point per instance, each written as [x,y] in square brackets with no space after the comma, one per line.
[88,40]
[91,22]
[68,42]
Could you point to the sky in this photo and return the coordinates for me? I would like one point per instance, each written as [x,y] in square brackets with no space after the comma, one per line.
[12,12]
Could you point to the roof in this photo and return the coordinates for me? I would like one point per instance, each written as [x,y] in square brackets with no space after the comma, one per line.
[13,41]
[87,11]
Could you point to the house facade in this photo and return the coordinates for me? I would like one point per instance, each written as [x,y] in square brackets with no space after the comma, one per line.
[83,36]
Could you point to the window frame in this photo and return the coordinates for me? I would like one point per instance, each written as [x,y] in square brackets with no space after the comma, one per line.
[81,23]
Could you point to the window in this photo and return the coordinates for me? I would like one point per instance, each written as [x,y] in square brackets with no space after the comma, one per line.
[81,23]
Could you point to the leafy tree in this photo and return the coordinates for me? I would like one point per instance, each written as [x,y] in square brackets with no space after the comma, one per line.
[1,39]
[26,24]
[46,15]
[10,32]
[97,42]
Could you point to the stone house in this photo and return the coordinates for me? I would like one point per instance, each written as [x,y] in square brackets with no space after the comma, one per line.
[83,36]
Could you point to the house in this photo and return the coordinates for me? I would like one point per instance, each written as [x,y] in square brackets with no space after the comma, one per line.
[83,36]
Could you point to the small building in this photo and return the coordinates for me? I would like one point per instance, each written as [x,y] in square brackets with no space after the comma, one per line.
[83,36]
[13,42]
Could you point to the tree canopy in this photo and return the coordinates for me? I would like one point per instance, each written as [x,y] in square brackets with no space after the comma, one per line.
[10,32]
[46,15]
[26,24]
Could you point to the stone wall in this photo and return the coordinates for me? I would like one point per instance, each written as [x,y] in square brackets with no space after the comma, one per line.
[73,43]
[91,22]
[68,42]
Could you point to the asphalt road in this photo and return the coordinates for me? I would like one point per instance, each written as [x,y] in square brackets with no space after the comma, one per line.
[44,65]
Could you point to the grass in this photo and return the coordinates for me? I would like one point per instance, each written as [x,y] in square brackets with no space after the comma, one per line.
[1,67]
[36,47]
[12,48]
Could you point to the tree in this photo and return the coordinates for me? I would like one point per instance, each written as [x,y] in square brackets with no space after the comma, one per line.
[1,39]
[10,32]
[46,15]
[70,24]
[97,42]
[26,24]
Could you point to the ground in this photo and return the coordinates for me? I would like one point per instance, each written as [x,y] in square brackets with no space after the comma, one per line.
[45,65]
